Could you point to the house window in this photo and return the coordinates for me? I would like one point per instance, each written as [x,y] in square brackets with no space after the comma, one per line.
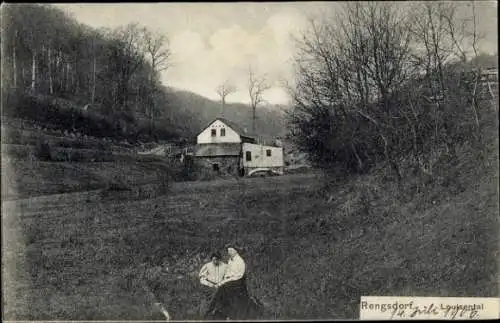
[268,152]
[248,156]
[214,132]
[223,132]
[215,167]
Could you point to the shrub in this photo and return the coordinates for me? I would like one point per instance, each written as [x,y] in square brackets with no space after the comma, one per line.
[43,151]
[118,183]
[164,179]
[11,135]
[19,152]
[149,191]
[47,112]
[190,170]
[80,155]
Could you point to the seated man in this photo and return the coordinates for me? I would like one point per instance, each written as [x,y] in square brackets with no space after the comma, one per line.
[211,275]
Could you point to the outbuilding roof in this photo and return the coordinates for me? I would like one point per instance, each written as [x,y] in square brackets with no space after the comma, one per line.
[217,150]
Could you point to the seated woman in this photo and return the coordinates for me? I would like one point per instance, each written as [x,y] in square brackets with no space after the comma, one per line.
[232,299]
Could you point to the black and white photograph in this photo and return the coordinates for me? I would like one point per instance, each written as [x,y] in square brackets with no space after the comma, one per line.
[214,161]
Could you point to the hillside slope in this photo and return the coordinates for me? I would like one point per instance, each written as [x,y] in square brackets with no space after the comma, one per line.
[311,252]
[82,141]
[270,119]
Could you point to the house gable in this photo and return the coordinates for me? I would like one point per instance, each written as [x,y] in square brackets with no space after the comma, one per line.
[218,132]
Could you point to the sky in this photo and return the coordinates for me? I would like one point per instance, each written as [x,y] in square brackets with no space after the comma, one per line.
[213,43]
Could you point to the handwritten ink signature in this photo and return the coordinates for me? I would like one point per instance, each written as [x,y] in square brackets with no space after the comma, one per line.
[432,310]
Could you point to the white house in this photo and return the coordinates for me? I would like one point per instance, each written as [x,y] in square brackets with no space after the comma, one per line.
[228,149]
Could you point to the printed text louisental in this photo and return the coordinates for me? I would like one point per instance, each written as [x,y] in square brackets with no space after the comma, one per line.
[412,310]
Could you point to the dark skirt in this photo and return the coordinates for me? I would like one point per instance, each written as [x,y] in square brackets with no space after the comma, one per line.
[206,297]
[233,301]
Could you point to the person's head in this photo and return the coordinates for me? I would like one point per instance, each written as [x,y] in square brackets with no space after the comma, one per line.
[231,252]
[215,258]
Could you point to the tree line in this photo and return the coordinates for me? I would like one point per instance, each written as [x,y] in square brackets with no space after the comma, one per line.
[388,82]
[110,73]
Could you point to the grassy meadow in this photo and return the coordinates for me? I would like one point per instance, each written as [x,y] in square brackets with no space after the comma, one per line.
[312,250]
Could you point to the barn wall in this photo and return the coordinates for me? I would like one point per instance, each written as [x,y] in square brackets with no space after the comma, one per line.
[228,166]
[205,137]
[259,157]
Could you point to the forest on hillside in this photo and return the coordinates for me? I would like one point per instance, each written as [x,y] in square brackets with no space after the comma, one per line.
[103,82]
[65,75]
[270,119]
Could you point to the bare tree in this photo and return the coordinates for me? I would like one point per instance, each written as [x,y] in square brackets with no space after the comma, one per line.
[376,53]
[33,70]
[475,35]
[381,81]
[256,88]
[128,48]
[443,35]
[350,70]
[223,91]
[157,52]
[156,49]
[94,69]
[475,38]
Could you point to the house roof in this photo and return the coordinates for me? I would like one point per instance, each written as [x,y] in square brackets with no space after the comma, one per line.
[236,127]
[217,150]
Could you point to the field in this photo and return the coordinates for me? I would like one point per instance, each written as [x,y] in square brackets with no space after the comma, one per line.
[312,250]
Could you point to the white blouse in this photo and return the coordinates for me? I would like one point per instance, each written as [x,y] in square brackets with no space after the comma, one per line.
[235,269]
[211,275]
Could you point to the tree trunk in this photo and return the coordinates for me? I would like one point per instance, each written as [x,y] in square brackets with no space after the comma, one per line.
[14,66]
[360,162]
[58,60]
[152,103]
[33,71]
[391,161]
[60,69]
[23,77]
[151,90]
[51,84]
[136,104]
[66,86]
[116,90]
[253,119]
[73,76]
[77,83]
[93,77]
[474,98]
